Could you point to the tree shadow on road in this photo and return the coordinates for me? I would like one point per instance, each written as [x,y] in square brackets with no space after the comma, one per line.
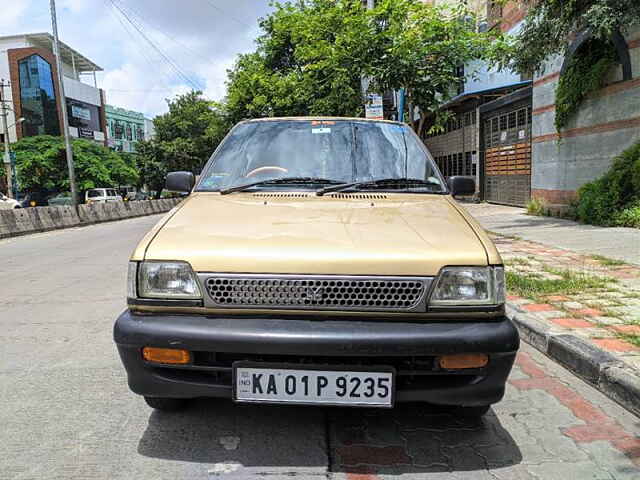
[409,439]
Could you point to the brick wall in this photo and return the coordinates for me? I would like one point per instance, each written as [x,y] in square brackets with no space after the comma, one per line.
[607,123]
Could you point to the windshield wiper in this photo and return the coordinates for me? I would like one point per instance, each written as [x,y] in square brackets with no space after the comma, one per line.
[278,181]
[379,182]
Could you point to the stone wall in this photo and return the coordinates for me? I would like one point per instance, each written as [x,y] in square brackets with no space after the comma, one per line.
[22,221]
[607,123]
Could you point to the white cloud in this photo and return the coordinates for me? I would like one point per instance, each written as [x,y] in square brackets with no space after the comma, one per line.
[133,87]
[202,37]
[12,12]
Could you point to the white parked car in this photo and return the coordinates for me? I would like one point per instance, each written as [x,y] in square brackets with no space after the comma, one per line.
[7,203]
[102,195]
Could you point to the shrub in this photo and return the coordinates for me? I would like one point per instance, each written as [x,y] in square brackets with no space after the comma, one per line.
[536,206]
[629,217]
[603,201]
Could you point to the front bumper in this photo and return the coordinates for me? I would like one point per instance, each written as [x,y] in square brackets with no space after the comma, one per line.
[411,348]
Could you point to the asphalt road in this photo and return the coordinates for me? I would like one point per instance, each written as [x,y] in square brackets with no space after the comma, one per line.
[66,412]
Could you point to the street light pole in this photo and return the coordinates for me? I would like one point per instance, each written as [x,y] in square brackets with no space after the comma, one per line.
[63,106]
[5,131]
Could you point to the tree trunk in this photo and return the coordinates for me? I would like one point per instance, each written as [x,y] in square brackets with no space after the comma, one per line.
[423,118]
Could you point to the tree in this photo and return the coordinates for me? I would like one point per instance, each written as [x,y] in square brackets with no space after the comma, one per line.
[309,61]
[42,166]
[550,24]
[186,136]
[313,54]
[421,48]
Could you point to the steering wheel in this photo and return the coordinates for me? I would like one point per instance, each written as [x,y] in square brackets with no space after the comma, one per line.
[265,168]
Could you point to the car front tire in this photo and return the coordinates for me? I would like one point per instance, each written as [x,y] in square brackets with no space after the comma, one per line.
[166,404]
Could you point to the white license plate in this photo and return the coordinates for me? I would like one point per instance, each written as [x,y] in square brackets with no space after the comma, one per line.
[256,384]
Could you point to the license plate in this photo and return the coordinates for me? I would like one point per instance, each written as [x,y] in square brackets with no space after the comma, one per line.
[258,384]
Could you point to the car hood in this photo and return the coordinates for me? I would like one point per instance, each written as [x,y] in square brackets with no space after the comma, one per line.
[351,234]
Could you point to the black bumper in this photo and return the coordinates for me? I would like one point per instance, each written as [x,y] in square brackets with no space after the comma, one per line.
[411,348]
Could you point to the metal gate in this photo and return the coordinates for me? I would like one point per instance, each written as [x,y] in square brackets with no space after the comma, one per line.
[507,165]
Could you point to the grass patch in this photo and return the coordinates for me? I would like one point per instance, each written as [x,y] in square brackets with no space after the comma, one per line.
[634,339]
[609,262]
[535,287]
[517,261]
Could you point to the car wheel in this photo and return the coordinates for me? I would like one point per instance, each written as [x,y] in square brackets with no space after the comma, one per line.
[16,207]
[470,412]
[166,404]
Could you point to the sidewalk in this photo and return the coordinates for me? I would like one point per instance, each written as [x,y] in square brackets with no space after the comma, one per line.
[618,243]
[572,295]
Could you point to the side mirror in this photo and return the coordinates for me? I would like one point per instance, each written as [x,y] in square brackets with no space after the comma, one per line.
[464,186]
[180,181]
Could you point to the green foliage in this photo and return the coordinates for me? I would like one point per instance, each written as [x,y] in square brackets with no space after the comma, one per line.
[186,136]
[586,73]
[536,206]
[550,23]
[309,61]
[614,198]
[629,216]
[531,285]
[42,166]
[313,53]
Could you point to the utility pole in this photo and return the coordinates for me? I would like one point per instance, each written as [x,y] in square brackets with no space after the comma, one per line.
[63,106]
[5,130]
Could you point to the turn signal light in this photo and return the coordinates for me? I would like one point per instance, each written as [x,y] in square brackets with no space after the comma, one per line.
[166,355]
[465,360]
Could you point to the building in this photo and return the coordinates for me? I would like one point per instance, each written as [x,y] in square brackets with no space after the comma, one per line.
[28,63]
[149,129]
[519,154]
[124,128]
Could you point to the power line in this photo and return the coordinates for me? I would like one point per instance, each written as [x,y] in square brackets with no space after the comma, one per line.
[141,19]
[142,51]
[211,2]
[167,59]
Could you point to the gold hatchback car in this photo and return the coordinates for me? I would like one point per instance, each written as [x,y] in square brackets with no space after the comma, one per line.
[318,261]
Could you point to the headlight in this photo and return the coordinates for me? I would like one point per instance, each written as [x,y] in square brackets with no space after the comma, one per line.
[469,286]
[167,280]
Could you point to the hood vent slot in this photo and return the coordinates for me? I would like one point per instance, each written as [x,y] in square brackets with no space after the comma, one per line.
[281,195]
[361,196]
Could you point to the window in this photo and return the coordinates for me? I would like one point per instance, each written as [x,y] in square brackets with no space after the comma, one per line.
[340,150]
[119,130]
[38,97]
[129,132]
[94,193]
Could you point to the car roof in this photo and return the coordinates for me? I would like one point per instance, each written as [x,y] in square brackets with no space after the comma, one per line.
[320,119]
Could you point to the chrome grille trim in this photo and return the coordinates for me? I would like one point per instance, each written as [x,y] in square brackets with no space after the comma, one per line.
[316,292]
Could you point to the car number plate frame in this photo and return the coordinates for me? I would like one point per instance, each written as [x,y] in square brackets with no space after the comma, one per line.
[331,373]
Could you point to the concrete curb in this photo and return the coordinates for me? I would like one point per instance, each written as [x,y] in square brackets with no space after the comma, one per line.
[604,371]
[23,221]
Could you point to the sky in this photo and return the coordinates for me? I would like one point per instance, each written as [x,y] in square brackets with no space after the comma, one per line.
[192,42]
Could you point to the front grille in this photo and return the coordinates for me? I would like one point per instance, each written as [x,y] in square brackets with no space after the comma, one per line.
[318,292]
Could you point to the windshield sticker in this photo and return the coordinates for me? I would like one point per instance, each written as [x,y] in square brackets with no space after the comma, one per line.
[320,130]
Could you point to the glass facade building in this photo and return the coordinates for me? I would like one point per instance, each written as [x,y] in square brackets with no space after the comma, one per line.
[38,97]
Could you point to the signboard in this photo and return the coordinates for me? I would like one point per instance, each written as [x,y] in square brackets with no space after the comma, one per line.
[81,112]
[373,107]
[84,133]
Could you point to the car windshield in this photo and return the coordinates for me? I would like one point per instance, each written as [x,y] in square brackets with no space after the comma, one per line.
[340,151]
